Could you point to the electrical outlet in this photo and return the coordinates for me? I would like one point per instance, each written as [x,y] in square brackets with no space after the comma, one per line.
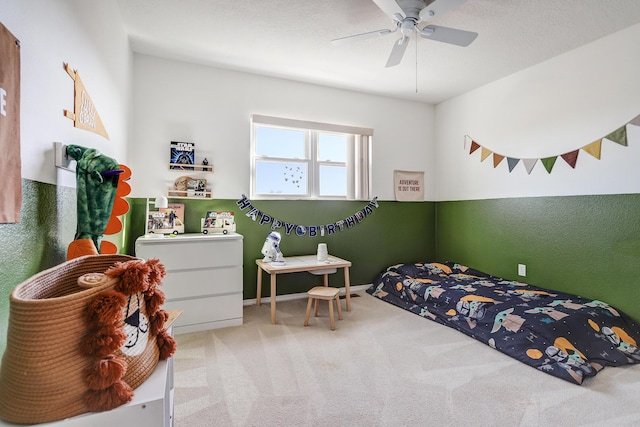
[522,270]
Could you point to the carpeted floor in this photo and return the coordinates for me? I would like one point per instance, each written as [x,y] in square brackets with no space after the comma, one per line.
[382,366]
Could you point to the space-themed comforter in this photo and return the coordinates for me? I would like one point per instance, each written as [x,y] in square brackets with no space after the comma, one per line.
[561,334]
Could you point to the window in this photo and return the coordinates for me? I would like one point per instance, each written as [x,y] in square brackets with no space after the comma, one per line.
[293,159]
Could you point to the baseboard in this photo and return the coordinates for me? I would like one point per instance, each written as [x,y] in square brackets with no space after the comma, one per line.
[300,295]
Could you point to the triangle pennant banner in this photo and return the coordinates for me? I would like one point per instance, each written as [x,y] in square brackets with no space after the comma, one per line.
[635,121]
[512,163]
[84,116]
[529,164]
[548,162]
[594,148]
[474,146]
[619,136]
[484,154]
[571,158]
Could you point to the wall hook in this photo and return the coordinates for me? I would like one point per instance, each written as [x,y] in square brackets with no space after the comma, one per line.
[62,160]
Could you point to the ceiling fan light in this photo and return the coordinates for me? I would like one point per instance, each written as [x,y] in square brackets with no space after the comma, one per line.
[407,27]
[426,32]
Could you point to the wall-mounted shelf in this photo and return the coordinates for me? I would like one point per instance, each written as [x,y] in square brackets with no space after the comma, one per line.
[189,194]
[179,167]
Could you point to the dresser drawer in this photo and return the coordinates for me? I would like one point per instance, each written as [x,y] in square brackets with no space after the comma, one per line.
[178,255]
[202,282]
[206,310]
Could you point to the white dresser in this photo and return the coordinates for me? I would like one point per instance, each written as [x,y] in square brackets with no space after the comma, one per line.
[204,277]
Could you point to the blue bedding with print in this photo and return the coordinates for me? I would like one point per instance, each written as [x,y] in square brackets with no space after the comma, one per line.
[561,334]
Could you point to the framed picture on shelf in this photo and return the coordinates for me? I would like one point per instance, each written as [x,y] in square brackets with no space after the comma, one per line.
[183,155]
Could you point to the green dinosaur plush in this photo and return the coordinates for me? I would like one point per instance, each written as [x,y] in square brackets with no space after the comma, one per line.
[97,183]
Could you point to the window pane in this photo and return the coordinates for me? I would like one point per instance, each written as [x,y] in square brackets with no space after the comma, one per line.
[333,181]
[276,142]
[294,159]
[332,147]
[281,178]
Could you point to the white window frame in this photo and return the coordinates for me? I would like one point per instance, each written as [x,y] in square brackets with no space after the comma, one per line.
[358,162]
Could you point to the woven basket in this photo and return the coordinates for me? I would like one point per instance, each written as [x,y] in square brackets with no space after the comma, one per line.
[42,371]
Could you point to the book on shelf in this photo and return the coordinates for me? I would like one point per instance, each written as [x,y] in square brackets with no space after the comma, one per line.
[197,188]
[183,155]
[216,216]
[219,222]
[174,209]
[169,220]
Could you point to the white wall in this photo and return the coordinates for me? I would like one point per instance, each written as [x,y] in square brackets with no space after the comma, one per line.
[555,107]
[90,37]
[211,108]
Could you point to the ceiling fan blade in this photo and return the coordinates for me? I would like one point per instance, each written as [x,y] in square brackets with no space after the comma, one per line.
[439,8]
[448,35]
[390,7]
[362,36]
[399,47]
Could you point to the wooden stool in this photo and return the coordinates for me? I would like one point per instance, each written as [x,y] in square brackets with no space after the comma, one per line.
[323,293]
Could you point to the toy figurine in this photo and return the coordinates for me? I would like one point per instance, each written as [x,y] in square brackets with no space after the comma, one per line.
[271,249]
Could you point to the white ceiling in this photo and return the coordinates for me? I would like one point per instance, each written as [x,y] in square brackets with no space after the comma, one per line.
[291,39]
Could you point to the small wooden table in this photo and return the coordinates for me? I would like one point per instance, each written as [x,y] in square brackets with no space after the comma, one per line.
[296,264]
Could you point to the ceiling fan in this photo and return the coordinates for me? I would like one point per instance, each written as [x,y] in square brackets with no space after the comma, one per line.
[407,14]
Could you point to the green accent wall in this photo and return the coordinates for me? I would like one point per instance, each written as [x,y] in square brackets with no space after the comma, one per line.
[395,232]
[39,241]
[585,245]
